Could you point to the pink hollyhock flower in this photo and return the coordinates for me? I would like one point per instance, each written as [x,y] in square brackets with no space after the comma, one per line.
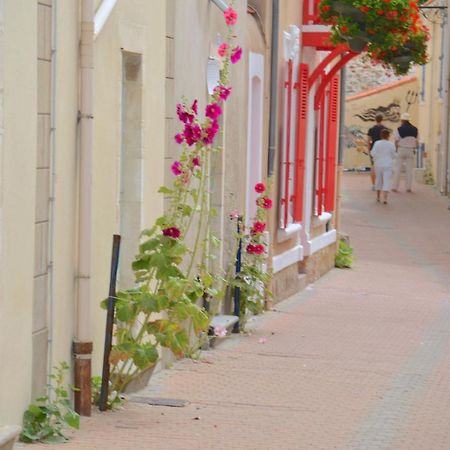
[258,227]
[210,132]
[223,48]
[224,92]
[236,55]
[192,133]
[260,188]
[264,202]
[196,161]
[213,111]
[250,248]
[183,115]
[234,214]
[176,168]
[220,331]
[172,232]
[230,16]
[179,138]
[194,107]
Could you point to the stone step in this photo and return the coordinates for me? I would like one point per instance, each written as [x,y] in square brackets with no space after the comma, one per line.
[221,321]
[8,435]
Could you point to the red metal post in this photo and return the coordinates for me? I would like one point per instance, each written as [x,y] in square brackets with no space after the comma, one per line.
[328,77]
[324,63]
[300,151]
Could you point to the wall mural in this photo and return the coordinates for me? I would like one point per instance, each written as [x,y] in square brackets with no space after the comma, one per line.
[391,113]
[356,138]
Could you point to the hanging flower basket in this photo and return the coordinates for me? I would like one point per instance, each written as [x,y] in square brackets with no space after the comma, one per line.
[389,30]
[357,44]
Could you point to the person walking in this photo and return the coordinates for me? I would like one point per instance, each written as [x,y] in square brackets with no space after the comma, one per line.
[374,134]
[383,154]
[406,142]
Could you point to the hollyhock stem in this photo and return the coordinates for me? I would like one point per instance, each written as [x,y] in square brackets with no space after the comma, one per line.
[203,209]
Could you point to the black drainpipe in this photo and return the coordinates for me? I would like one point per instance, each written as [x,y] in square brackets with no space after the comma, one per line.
[273,87]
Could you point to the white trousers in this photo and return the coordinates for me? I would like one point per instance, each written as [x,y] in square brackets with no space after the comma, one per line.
[404,156]
[383,180]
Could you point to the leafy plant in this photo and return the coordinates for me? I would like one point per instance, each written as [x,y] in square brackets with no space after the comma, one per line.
[391,31]
[113,401]
[172,265]
[253,279]
[46,418]
[344,255]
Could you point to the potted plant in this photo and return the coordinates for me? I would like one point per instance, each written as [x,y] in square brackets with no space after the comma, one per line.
[391,31]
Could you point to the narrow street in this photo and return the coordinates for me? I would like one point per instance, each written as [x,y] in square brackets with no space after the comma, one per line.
[358,361]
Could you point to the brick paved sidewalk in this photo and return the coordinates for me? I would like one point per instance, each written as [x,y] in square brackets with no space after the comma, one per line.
[358,361]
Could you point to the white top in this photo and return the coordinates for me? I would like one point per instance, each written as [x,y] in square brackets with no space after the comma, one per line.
[383,153]
[406,142]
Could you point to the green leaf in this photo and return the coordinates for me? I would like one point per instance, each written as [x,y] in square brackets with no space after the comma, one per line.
[141,263]
[161,222]
[179,249]
[72,419]
[125,312]
[144,355]
[165,190]
[149,303]
[150,244]
[122,335]
[181,311]
[178,342]
[36,410]
[186,210]
[159,261]
[149,231]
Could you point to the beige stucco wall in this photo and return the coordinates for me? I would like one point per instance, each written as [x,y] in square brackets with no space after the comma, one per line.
[431,107]
[136,26]
[18,177]
[370,102]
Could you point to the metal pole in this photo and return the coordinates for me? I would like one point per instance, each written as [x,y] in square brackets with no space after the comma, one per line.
[341,148]
[273,87]
[109,322]
[220,4]
[237,290]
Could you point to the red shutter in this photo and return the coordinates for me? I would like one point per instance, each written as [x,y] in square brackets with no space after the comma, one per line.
[320,158]
[300,152]
[332,144]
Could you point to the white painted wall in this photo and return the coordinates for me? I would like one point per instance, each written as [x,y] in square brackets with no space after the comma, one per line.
[255,130]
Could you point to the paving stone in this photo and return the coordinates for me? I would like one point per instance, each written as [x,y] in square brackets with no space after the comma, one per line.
[359,361]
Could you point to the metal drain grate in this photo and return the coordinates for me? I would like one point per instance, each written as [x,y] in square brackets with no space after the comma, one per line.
[173,402]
